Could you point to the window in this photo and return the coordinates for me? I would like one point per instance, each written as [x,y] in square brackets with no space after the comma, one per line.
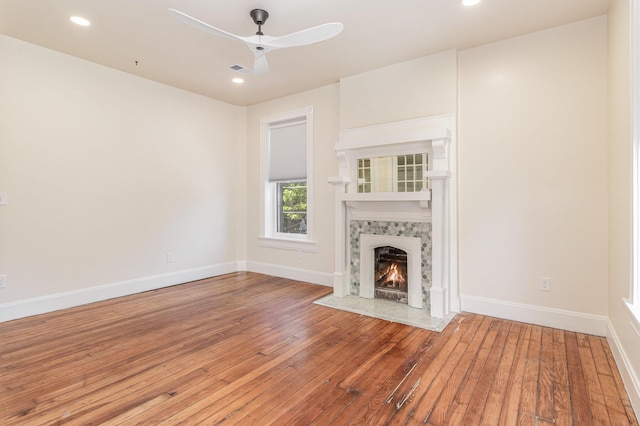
[400,173]
[286,148]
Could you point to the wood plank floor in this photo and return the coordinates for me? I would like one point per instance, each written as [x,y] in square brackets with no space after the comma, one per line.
[247,349]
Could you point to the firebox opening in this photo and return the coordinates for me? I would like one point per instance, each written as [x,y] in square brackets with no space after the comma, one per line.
[390,272]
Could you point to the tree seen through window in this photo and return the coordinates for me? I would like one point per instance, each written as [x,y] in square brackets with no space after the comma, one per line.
[292,207]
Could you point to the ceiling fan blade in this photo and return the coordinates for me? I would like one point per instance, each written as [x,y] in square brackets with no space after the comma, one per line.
[260,64]
[261,44]
[196,23]
[309,36]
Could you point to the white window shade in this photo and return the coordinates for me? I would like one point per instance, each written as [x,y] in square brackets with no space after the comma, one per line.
[288,152]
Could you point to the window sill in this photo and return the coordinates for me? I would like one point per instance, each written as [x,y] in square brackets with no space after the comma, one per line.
[634,310]
[288,243]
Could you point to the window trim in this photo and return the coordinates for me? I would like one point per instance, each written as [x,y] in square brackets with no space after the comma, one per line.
[269,237]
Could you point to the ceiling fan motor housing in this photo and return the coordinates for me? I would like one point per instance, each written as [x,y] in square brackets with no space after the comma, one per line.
[259,16]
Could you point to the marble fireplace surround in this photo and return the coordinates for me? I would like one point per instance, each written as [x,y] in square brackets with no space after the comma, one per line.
[412,237]
[433,208]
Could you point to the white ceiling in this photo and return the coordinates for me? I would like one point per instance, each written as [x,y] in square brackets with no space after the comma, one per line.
[376,33]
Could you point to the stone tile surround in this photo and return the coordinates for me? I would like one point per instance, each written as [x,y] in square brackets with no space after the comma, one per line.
[420,230]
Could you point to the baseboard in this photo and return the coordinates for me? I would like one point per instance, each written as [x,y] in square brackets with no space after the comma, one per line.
[539,315]
[629,377]
[297,274]
[54,302]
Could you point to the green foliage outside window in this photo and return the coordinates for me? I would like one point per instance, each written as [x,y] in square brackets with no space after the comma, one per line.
[292,207]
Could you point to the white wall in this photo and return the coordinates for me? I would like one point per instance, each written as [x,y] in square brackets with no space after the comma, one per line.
[533,174]
[317,266]
[106,173]
[418,88]
[623,339]
[422,87]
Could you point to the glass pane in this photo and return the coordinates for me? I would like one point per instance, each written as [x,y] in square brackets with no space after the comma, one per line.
[410,187]
[292,207]
[389,172]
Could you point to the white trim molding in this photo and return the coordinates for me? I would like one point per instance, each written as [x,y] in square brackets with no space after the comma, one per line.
[634,300]
[629,376]
[297,274]
[538,315]
[55,302]
[289,244]
[69,299]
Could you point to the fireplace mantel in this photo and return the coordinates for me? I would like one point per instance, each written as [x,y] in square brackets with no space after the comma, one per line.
[424,195]
[400,132]
[436,204]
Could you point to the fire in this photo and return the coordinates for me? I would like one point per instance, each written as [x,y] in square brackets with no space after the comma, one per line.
[394,275]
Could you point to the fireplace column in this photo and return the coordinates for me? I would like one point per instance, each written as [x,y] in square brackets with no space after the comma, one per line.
[439,280]
[341,271]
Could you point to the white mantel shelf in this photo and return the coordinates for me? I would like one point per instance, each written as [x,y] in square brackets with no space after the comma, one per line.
[388,196]
[401,132]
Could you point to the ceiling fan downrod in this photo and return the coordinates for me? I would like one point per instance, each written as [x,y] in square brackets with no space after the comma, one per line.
[259,16]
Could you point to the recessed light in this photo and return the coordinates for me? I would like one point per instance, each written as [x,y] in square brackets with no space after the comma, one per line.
[237,80]
[79,20]
[470,2]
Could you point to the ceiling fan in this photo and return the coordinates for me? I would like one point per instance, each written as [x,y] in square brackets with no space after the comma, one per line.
[259,43]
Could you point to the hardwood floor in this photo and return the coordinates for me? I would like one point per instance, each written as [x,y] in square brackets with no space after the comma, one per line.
[251,349]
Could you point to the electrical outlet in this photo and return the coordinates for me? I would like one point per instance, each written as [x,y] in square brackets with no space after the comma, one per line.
[170,258]
[545,284]
[3,199]
[3,281]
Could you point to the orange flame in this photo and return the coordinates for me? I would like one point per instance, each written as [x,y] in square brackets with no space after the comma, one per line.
[394,275]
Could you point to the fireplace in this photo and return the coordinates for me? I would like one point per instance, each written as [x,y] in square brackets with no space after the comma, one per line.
[390,274]
[373,215]
[408,268]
